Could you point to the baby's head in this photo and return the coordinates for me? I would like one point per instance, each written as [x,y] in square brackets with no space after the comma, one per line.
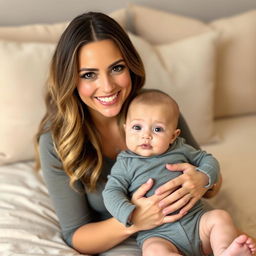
[151,123]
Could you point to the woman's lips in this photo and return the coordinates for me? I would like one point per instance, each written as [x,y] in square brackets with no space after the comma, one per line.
[108,100]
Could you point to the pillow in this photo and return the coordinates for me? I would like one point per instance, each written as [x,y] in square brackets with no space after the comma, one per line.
[185,70]
[159,27]
[49,33]
[33,33]
[236,77]
[120,16]
[23,72]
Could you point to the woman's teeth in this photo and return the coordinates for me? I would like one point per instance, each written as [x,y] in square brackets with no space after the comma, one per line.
[107,99]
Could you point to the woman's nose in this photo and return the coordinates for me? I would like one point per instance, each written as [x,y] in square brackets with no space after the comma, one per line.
[107,83]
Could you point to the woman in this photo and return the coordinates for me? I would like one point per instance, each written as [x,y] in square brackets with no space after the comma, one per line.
[95,72]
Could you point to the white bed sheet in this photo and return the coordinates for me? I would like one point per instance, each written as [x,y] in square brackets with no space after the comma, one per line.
[28,224]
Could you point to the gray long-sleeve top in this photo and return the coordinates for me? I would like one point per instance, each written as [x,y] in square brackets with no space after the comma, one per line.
[76,209]
[131,171]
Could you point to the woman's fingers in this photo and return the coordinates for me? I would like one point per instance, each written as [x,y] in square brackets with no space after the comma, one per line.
[184,201]
[188,206]
[143,189]
[175,183]
[170,186]
[173,197]
[178,167]
[173,217]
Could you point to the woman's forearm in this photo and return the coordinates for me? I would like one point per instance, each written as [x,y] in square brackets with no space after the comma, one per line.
[215,189]
[100,236]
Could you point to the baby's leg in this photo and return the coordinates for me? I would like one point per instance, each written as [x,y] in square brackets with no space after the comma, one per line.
[219,234]
[159,246]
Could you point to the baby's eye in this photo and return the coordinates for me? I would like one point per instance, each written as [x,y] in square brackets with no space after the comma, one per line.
[136,127]
[158,129]
[118,68]
[88,75]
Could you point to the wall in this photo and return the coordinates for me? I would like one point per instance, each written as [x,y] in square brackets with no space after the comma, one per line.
[19,12]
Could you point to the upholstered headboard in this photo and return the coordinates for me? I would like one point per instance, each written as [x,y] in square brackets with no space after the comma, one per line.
[20,12]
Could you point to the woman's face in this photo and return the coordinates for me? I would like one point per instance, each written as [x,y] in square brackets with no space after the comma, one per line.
[104,78]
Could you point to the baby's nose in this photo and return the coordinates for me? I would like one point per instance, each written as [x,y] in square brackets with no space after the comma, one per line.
[146,135]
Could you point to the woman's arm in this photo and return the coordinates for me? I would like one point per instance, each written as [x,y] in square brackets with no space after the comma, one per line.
[70,206]
[100,236]
[78,225]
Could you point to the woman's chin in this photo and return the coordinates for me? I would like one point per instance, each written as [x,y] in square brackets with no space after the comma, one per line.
[111,112]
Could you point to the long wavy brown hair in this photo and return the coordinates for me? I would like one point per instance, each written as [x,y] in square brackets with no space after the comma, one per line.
[74,135]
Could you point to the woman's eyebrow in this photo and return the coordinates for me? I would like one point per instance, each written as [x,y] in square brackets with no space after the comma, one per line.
[116,62]
[95,69]
[88,69]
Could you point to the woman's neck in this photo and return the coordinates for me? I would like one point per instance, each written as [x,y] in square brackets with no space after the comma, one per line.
[104,124]
[112,141]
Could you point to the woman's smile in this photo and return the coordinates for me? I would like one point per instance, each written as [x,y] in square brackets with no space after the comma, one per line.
[108,100]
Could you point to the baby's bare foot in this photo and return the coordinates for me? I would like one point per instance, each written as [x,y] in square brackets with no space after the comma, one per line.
[252,245]
[241,246]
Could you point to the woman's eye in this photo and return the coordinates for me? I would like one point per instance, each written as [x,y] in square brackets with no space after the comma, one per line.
[88,75]
[158,129]
[136,127]
[118,68]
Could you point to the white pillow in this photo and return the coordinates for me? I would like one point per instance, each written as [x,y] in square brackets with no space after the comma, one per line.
[120,16]
[49,33]
[157,26]
[236,69]
[185,70]
[23,72]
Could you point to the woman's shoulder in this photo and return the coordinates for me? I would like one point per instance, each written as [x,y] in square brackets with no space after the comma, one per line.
[45,140]
[47,152]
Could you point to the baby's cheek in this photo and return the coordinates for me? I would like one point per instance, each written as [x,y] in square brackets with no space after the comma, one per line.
[131,142]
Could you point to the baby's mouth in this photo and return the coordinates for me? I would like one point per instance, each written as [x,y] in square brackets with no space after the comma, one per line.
[146,146]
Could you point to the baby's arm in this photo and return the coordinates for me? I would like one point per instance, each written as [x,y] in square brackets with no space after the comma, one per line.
[115,194]
[205,163]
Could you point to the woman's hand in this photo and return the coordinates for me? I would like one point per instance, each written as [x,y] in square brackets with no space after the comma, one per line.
[148,214]
[184,191]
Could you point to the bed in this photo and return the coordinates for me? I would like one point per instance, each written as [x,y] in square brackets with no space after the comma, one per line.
[205,49]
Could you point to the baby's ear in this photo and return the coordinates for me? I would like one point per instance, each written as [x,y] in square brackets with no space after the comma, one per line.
[175,134]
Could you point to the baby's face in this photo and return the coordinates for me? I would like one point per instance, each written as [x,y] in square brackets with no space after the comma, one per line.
[149,130]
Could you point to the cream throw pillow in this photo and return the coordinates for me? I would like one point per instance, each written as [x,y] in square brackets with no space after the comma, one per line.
[191,67]
[23,72]
[236,73]
[159,27]
[33,33]
[49,33]
[186,71]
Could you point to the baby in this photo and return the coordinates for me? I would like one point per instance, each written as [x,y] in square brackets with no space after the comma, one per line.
[152,139]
